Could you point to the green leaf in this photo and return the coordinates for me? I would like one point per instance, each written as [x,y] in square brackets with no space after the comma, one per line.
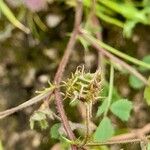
[135,82]
[104,131]
[122,109]
[54,132]
[10,16]
[102,108]
[147,94]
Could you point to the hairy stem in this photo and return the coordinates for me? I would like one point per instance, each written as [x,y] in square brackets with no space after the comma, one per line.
[60,71]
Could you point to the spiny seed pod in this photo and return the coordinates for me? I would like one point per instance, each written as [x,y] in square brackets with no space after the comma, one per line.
[85,87]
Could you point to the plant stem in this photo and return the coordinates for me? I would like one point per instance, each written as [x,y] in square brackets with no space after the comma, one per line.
[28,103]
[87,121]
[117,60]
[61,69]
[111,81]
[113,50]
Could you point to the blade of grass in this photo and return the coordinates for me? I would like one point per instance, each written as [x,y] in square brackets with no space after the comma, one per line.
[10,16]
[39,22]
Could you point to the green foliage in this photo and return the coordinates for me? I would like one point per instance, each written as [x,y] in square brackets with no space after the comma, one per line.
[122,109]
[54,132]
[135,82]
[108,10]
[104,130]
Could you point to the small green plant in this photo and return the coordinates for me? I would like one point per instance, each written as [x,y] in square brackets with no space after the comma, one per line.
[96,93]
[87,88]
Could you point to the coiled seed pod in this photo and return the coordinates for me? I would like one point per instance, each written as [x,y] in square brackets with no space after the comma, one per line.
[85,87]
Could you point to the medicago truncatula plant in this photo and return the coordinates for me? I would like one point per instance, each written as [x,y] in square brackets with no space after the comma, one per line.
[84,89]
[81,87]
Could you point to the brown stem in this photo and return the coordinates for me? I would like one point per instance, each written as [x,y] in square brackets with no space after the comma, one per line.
[60,71]
[136,135]
[28,103]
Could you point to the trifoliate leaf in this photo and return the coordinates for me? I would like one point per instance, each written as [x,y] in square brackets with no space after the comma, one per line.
[54,132]
[104,130]
[122,109]
[135,82]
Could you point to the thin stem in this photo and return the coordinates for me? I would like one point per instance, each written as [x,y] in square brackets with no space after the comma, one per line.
[28,103]
[101,56]
[114,142]
[87,121]
[60,71]
[113,50]
[110,89]
[111,142]
[117,60]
